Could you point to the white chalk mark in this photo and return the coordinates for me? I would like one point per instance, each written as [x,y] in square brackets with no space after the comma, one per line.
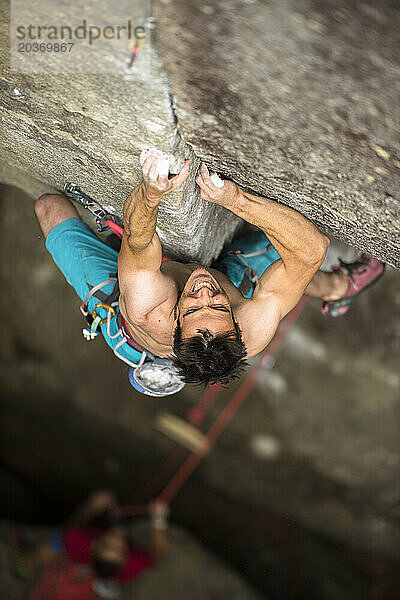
[164,165]
[217,181]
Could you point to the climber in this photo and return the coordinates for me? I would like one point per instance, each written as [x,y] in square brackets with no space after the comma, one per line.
[207,320]
[90,556]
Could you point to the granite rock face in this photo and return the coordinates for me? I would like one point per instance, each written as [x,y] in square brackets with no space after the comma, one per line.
[297,100]
[89,129]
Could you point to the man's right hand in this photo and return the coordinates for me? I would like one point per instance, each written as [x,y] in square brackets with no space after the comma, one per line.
[155,176]
[227,196]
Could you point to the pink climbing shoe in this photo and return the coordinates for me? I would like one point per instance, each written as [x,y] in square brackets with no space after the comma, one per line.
[360,274]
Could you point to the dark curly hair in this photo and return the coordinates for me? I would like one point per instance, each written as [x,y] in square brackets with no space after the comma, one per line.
[207,358]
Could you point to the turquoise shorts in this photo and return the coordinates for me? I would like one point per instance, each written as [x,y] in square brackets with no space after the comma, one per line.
[86,261]
[252,252]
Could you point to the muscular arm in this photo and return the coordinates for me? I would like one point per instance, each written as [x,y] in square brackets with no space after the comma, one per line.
[299,243]
[140,237]
[143,286]
[301,246]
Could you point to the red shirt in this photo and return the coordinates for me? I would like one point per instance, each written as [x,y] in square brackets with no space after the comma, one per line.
[77,541]
[64,581]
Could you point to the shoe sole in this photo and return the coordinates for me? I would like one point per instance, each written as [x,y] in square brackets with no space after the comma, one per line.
[346,302]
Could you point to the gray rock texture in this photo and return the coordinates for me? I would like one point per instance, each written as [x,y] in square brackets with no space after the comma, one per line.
[296,100]
[89,129]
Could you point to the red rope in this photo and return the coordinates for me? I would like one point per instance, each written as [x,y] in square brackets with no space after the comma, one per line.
[207,400]
[226,416]
[119,231]
[196,414]
[230,410]
[151,487]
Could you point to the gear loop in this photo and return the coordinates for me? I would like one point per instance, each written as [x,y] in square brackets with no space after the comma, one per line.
[110,309]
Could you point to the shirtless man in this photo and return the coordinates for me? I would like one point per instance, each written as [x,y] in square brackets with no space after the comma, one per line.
[196,315]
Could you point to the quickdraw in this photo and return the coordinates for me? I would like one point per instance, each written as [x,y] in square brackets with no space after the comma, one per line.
[104,219]
[93,331]
[250,277]
[106,307]
[151,375]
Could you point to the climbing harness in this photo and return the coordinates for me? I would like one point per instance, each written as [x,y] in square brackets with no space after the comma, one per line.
[150,375]
[245,259]
[250,277]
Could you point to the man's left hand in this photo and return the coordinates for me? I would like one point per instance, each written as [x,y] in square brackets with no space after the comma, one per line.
[226,196]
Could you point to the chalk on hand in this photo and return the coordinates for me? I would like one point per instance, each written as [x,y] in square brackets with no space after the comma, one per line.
[217,181]
[165,160]
[144,155]
[163,168]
